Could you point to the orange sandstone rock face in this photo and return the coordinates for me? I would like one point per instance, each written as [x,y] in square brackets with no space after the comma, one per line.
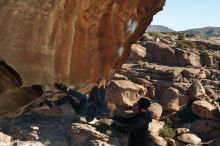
[70,41]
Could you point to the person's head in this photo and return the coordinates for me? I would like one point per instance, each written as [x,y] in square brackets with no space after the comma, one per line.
[142,105]
[100,81]
[61,86]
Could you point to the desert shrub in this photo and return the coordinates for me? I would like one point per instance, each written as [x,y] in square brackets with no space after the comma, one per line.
[180,44]
[167,131]
[155,35]
[140,64]
[181,36]
[202,47]
[186,44]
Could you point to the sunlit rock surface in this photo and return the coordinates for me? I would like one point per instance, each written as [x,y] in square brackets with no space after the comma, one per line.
[70,41]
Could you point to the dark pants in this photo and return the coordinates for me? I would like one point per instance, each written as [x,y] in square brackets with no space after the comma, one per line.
[83,106]
[72,96]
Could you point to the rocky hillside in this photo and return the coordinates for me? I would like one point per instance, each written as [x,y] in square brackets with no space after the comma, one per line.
[182,78]
[208,31]
[159,28]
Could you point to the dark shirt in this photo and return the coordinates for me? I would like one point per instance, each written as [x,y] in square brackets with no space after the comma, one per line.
[136,126]
[99,95]
[97,108]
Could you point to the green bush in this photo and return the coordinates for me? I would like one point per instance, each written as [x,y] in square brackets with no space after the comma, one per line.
[180,44]
[186,44]
[155,35]
[202,47]
[181,36]
[140,64]
[167,132]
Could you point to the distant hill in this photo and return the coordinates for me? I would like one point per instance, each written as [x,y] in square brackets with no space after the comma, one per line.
[209,31]
[159,28]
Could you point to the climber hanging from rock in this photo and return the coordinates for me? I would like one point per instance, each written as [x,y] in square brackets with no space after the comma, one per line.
[97,105]
[78,101]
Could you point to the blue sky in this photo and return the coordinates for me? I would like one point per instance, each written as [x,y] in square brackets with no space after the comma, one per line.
[187,14]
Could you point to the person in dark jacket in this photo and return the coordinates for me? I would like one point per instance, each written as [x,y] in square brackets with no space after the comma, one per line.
[136,126]
[98,107]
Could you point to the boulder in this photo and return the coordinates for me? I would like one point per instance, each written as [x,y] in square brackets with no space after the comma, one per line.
[159,141]
[156,110]
[155,126]
[161,86]
[201,75]
[97,143]
[5,138]
[196,91]
[212,93]
[83,134]
[119,77]
[181,130]
[190,73]
[151,92]
[146,37]
[173,142]
[124,93]
[24,97]
[203,109]
[204,126]
[187,58]
[138,52]
[162,72]
[182,87]
[24,143]
[62,111]
[147,85]
[124,71]
[207,59]
[189,138]
[172,100]
[8,77]
[142,82]
[208,73]
[160,53]
[167,41]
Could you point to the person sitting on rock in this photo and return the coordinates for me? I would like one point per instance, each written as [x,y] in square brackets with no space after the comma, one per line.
[98,107]
[136,126]
[78,101]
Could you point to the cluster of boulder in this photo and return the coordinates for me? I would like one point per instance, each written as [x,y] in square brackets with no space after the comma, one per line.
[183,87]
[166,51]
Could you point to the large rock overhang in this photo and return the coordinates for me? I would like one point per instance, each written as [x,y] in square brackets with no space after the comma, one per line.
[70,41]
